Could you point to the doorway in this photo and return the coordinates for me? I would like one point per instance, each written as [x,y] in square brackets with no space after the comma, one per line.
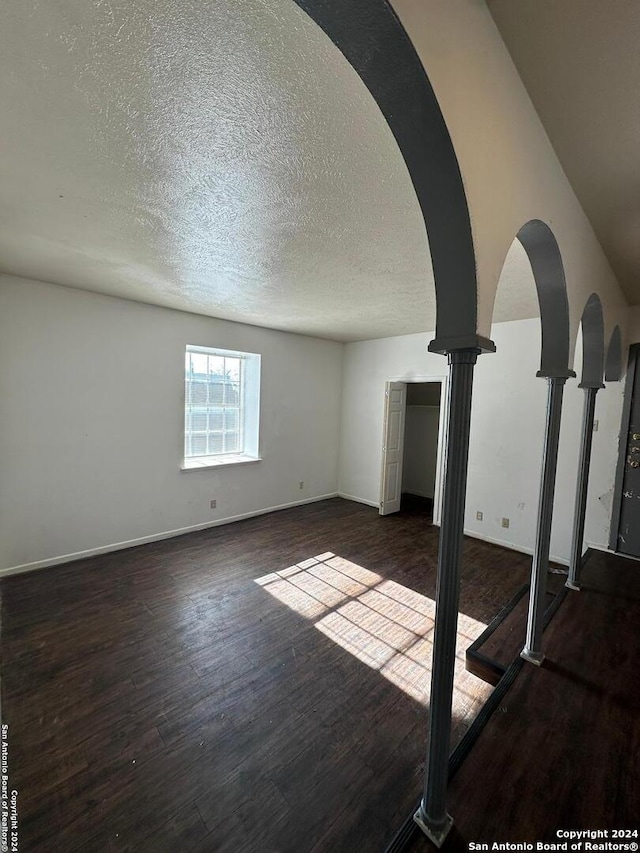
[625,521]
[411,452]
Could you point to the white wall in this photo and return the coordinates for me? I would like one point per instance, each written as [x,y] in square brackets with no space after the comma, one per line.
[92,390]
[420,450]
[510,171]
[507,433]
[367,366]
[91,438]
[507,436]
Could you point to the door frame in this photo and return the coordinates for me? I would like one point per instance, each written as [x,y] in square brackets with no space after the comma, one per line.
[412,379]
[392,457]
[623,441]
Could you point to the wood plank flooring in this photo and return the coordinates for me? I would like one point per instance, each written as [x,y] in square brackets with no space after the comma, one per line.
[254,687]
[562,752]
[496,648]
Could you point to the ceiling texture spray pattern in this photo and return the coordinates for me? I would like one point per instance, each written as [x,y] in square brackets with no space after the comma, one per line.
[217,157]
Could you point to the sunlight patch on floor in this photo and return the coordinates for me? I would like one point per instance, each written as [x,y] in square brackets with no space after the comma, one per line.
[384,624]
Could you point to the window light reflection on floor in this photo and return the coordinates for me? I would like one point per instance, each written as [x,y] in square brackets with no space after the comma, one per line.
[384,624]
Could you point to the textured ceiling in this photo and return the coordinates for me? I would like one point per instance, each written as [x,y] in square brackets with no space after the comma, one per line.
[215,157]
[580,62]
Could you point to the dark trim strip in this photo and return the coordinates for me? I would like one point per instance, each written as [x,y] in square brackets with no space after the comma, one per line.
[616,508]
[484,667]
[409,830]
[481,665]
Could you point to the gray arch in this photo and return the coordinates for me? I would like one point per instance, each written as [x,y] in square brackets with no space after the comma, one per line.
[374,41]
[544,256]
[592,343]
[613,363]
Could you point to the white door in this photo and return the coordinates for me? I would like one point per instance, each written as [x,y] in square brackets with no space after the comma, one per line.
[395,404]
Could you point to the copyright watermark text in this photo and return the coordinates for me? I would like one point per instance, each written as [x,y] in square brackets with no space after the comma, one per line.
[584,840]
[8,799]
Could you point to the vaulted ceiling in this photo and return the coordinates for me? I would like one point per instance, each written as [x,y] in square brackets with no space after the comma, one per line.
[580,63]
[224,158]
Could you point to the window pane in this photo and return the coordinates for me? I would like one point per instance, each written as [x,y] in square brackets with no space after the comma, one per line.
[214,414]
[232,367]
[216,392]
[216,366]
[215,442]
[215,420]
[199,420]
[198,396]
[198,444]
[232,420]
[231,394]
[198,363]
[232,442]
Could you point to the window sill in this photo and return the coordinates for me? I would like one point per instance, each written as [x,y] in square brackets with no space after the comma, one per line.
[200,463]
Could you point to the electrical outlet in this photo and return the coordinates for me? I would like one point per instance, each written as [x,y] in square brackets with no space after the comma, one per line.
[595,425]
[479,516]
[301,485]
[213,504]
[505,522]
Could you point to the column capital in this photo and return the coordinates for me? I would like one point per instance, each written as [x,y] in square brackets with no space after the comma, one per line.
[463,356]
[557,374]
[446,345]
[588,386]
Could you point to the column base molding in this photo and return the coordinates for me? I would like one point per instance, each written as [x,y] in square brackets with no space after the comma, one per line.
[573,585]
[436,836]
[535,658]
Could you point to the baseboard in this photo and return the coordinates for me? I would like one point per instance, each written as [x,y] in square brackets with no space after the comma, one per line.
[359,500]
[521,549]
[155,537]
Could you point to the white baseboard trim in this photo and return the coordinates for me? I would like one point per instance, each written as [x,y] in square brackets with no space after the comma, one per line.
[521,549]
[169,534]
[358,500]
[155,537]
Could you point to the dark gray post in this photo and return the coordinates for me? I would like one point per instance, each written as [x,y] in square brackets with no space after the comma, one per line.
[584,463]
[540,564]
[432,816]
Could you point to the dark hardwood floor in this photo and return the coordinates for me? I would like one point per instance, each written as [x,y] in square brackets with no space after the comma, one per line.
[254,687]
[562,751]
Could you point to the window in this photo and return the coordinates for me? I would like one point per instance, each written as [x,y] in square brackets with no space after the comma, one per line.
[222,403]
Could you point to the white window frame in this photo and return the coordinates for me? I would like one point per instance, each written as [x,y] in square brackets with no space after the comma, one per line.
[249,413]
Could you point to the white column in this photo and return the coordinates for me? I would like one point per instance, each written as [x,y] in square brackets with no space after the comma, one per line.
[584,463]
[432,816]
[532,650]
